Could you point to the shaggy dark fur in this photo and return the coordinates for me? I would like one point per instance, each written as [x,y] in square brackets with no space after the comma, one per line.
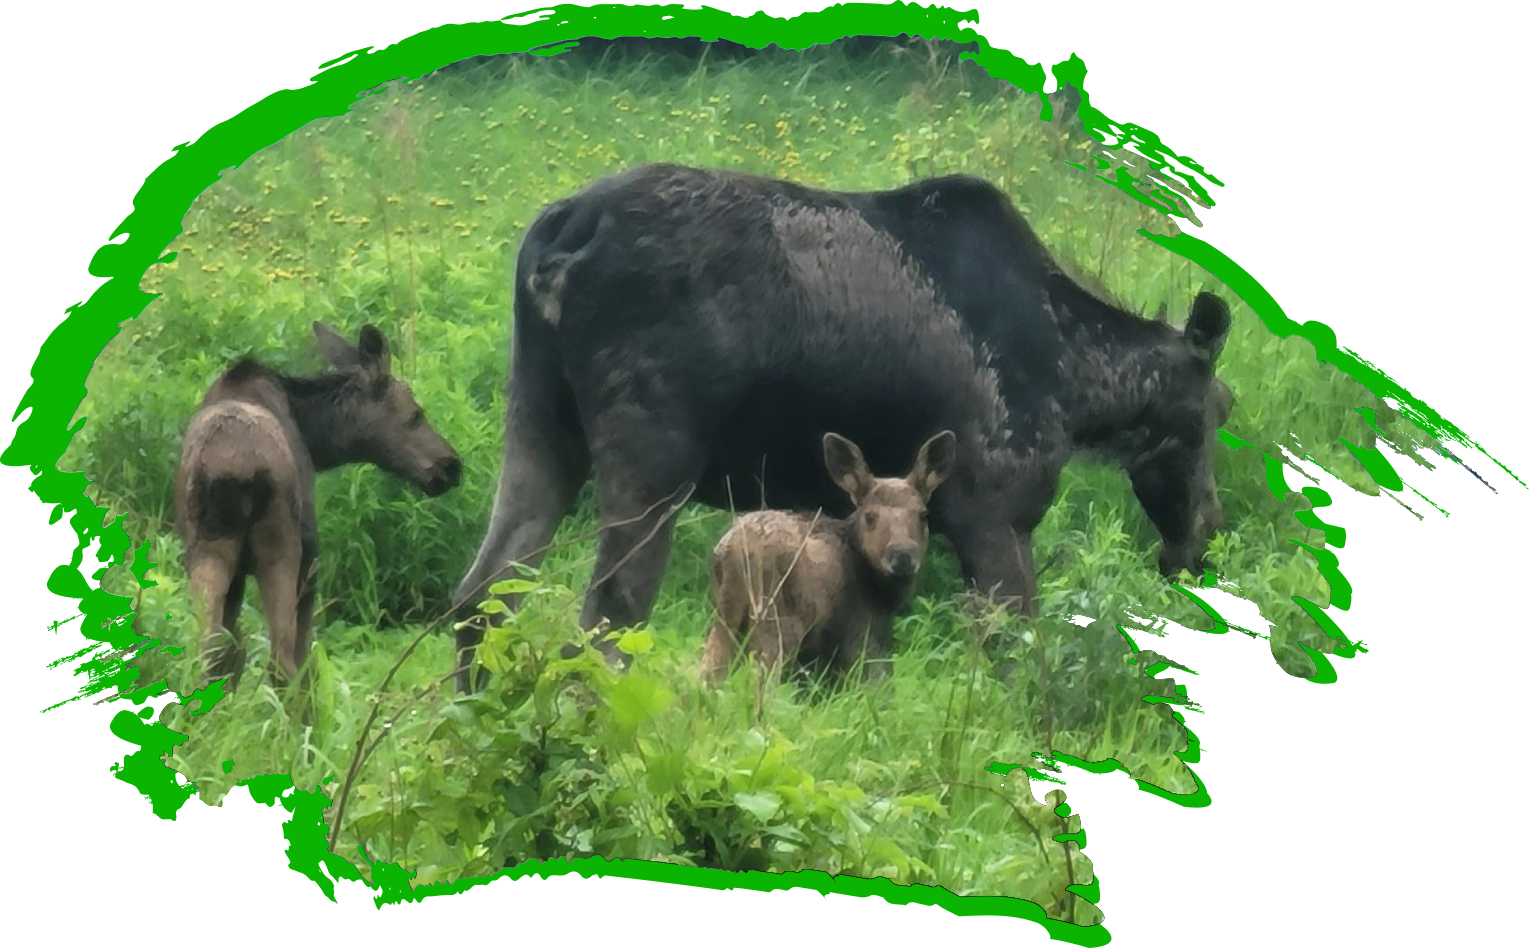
[676,326]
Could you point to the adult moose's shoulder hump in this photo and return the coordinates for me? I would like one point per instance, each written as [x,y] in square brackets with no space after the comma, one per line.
[688,333]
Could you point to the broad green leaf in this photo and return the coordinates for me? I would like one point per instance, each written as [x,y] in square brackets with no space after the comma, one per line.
[666,771]
[636,643]
[763,806]
[637,699]
[786,831]
[512,587]
[521,800]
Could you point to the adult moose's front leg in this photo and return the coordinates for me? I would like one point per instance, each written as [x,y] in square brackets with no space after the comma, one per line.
[997,558]
[643,478]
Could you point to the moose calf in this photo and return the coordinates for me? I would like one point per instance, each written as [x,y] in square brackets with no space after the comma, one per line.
[244,489]
[804,586]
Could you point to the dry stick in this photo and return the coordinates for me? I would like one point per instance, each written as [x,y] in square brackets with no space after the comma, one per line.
[790,568]
[770,603]
[674,509]
[780,658]
[359,755]
[748,581]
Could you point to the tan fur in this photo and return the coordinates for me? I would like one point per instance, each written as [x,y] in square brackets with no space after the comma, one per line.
[784,580]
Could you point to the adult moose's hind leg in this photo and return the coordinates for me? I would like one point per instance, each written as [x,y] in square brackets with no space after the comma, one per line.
[545,463]
[645,470]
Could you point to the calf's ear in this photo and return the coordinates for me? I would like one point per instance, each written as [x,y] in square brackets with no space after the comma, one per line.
[337,351]
[373,347]
[846,465]
[936,460]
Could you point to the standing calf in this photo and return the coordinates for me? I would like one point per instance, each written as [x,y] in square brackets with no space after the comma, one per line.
[244,489]
[819,588]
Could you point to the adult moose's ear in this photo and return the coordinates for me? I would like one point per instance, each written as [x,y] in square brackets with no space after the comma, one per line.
[847,467]
[337,351]
[1221,402]
[376,357]
[1210,319]
[936,460]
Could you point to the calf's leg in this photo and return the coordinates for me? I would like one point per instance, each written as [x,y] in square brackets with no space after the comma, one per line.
[211,567]
[307,592]
[278,555]
[233,603]
[732,601]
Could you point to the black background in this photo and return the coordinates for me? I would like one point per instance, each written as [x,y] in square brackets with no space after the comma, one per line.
[1321,827]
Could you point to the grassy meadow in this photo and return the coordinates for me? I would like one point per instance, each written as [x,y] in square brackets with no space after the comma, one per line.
[407,212]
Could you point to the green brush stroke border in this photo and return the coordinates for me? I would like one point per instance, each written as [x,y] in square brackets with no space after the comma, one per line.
[69,353]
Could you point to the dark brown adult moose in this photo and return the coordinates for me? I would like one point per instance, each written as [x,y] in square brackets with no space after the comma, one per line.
[789,584]
[244,489]
[677,326]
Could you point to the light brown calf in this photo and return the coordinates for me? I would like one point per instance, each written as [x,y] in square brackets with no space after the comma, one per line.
[244,489]
[798,586]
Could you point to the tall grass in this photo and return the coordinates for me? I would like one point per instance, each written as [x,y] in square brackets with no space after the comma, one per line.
[406,212]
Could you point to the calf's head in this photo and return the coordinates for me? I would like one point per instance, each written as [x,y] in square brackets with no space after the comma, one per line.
[376,418]
[891,514]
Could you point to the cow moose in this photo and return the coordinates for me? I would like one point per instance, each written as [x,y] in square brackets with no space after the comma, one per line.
[244,487]
[679,327]
[790,584]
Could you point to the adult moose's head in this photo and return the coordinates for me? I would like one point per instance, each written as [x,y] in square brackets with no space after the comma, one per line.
[1080,372]
[1163,406]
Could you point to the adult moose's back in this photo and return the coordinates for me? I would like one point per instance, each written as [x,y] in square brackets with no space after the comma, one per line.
[686,329]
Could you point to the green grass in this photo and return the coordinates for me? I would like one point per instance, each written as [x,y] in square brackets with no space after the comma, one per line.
[407,213]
